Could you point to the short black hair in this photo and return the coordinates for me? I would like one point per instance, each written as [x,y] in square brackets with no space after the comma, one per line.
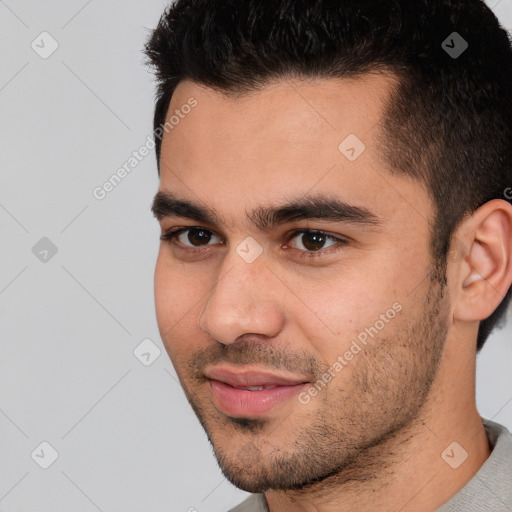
[448,123]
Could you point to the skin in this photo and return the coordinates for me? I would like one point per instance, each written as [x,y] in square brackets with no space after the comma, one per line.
[372,439]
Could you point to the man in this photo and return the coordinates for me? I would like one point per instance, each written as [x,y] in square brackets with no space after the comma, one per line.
[337,244]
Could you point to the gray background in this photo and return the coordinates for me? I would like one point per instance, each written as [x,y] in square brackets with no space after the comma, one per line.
[125,436]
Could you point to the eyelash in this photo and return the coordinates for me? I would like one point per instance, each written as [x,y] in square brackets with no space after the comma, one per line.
[171,235]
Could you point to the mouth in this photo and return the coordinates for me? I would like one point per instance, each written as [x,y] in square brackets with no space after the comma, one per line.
[249,392]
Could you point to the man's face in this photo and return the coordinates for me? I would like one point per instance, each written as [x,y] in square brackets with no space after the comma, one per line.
[303,332]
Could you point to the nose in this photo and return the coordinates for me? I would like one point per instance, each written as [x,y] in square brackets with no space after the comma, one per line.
[244,300]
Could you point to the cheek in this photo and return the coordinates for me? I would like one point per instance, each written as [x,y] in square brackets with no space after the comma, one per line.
[175,297]
[164,294]
[341,309]
[341,313]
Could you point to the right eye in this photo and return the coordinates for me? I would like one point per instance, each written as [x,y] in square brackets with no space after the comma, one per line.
[187,238]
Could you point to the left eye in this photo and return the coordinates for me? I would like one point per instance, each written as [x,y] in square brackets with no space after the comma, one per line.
[314,240]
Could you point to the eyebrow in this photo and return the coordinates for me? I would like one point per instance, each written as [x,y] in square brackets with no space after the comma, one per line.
[264,218]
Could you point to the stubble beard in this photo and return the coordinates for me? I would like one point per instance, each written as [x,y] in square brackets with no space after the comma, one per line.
[350,434]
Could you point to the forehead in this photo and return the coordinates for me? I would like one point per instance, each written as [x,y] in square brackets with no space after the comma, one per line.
[288,138]
[288,109]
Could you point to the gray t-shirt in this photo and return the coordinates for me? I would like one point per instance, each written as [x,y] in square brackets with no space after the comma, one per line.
[490,489]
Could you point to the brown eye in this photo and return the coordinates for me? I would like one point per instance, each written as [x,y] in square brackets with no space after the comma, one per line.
[313,240]
[197,236]
[190,237]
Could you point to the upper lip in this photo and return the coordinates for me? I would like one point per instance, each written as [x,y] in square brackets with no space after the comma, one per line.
[246,377]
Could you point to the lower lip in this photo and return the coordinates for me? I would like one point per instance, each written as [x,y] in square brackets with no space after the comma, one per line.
[242,403]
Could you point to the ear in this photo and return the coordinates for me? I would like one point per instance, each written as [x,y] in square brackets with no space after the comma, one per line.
[484,274]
